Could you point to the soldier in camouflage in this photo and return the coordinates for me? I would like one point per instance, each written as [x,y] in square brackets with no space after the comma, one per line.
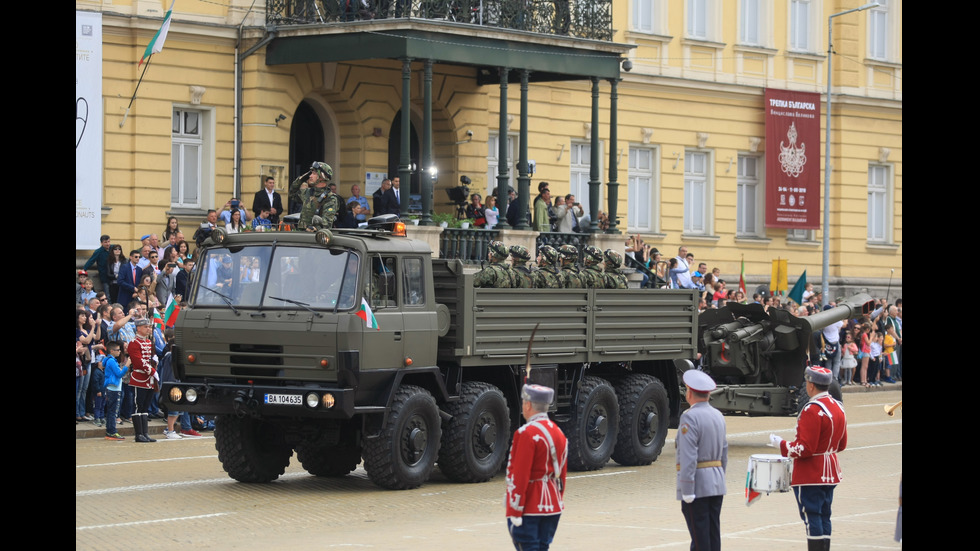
[520,275]
[318,200]
[547,275]
[615,279]
[497,273]
[570,276]
[593,276]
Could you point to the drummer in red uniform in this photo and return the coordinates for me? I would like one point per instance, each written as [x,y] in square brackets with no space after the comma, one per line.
[140,351]
[821,432]
[536,473]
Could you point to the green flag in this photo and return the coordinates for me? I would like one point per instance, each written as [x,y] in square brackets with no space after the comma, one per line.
[796,295]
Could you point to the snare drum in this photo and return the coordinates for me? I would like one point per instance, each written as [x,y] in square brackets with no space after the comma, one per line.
[770,473]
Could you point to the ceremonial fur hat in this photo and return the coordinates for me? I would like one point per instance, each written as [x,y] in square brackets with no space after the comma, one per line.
[142,321]
[699,381]
[819,375]
[537,394]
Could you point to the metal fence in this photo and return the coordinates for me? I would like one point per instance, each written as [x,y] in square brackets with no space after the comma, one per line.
[577,18]
[468,245]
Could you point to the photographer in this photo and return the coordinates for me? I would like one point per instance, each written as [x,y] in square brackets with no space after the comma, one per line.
[568,212]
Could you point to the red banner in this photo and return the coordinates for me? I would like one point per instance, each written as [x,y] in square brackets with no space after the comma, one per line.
[792,159]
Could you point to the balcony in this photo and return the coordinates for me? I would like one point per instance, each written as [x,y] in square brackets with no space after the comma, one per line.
[586,19]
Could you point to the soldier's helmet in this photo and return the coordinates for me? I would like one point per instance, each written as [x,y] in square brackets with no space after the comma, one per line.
[613,259]
[324,169]
[520,253]
[593,256]
[498,250]
[549,253]
[568,253]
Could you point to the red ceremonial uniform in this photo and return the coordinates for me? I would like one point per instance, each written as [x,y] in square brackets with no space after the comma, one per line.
[536,469]
[140,351]
[821,432]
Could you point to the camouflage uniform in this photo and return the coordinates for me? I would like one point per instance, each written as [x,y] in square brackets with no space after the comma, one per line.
[592,275]
[496,274]
[316,201]
[547,275]
[571,278]
[520,275]
[614,278]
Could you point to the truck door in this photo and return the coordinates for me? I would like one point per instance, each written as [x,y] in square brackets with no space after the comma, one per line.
[384,348]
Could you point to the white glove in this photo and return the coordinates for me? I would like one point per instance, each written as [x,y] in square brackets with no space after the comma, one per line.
[688,499]
[775,441]
[516,521]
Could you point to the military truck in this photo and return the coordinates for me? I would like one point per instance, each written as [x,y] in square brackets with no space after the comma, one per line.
[758,357]
[357,344]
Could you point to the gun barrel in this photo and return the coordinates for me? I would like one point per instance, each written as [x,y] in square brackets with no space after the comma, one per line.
[850,308]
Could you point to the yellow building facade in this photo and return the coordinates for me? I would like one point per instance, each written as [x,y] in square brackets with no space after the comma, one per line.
[691,121]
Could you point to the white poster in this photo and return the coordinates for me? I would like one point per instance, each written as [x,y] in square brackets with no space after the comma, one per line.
[88,130]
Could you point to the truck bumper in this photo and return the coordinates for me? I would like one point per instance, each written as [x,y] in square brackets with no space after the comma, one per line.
[258,400]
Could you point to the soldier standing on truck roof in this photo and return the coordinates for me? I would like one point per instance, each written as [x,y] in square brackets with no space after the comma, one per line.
[592,275]
[496,274]
[615,278]
[520,274]
[547,276]
[316,198]
[570,276]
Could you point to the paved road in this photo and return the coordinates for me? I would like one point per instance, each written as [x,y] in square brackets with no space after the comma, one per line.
[174,493]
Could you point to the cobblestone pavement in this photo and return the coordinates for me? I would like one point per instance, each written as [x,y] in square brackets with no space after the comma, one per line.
[174,493]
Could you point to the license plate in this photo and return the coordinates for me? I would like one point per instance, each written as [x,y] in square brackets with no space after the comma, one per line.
[284,399]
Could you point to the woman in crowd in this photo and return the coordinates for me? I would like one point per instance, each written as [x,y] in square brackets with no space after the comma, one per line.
[491,212]
[235,224]
[709,287]
[183,252]
[116,260]
[172,228]
[147,292]
[87,333]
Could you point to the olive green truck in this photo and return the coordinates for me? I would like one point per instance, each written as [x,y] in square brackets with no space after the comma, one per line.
[356,344]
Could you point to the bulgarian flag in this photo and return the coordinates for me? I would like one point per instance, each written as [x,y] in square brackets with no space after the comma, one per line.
[741,277]
[157,320]
[170,312]
[367,315]
[156,45]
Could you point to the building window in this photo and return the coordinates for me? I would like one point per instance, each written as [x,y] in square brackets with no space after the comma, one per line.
[749,201]
[878,31]
[187,148]
[800,235]
[493,162]
[697,193]
[879,204]
[800,20]
[581,160]
[697,19]
[750,22]
[642,211]
[646,16]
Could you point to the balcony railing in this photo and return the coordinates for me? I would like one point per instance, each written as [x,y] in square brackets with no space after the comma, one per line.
[590,19]
[470,246]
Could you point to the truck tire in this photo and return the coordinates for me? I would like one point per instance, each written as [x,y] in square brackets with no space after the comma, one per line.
[591,431]
[644,413]
[250,450]
[804,398]
[475,439]
[322,459]
[403,455]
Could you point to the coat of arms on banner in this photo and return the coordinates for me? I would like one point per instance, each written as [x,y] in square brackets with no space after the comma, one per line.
[792,158]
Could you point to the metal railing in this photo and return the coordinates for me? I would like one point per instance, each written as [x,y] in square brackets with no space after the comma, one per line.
[468,245]
[557,239]
[590,19]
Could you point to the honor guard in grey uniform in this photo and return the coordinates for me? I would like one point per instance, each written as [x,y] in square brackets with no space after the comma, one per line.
[520,274]
[317,199]
[547,276]
[615,279]
[592,275]
[702,456]
[570,277]
[496,274]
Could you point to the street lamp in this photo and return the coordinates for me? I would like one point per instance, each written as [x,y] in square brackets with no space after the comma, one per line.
[826,157]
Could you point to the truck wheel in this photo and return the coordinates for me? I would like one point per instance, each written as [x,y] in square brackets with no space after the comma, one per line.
[403,455]
[474,440]
[591,431]
[250,450]
[804,399]
[643,417]
[320,459]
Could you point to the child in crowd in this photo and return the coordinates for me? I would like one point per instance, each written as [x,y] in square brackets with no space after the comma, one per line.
[875,366]
[87,293]
[864,355]
[888,358]
[263,220]
[116,364]
[98,385]
[848,360]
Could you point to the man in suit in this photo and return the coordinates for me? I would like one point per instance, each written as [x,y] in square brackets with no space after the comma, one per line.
[166,283]
[391,199]
[129,277]
[269,198]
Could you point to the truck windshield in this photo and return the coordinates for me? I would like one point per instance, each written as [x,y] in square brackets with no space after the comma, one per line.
[280,277]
